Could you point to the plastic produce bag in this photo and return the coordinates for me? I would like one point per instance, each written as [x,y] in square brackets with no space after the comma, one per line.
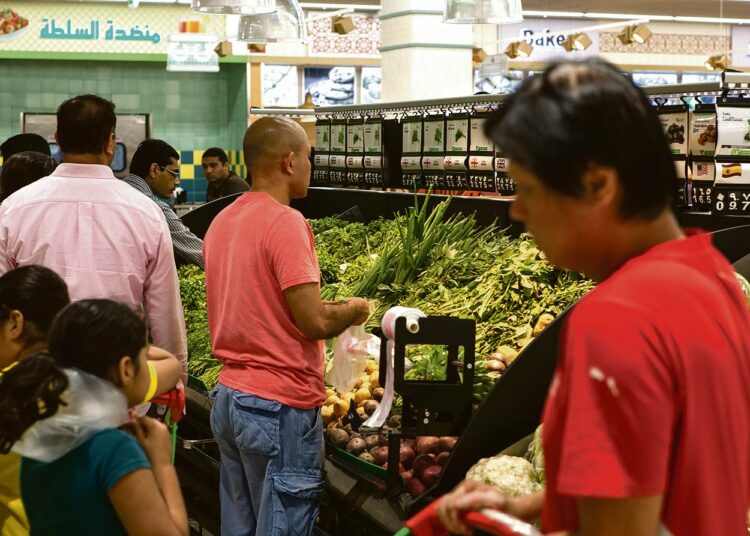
[350,357]
[92,405]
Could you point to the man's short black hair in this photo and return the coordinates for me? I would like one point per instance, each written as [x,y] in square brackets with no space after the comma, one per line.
[216,152]
[151,152]
[84,124]
[582,113]
[24,142]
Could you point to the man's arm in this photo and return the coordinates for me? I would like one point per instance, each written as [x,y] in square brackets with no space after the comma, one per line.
[322,320]
[636,516]
[161,297]
[189,246]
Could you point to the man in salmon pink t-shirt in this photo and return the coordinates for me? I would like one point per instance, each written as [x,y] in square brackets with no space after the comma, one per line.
[267,324]
[647,422]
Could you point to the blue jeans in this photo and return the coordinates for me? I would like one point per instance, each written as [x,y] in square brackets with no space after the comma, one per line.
[271,465]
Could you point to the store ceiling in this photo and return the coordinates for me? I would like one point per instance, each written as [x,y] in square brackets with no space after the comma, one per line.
[692,8]
[736,9]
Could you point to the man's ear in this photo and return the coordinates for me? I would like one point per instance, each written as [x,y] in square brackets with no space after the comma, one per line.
[601,185]
[287,163]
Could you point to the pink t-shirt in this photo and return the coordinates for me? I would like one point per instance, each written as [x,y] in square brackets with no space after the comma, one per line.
[254,250]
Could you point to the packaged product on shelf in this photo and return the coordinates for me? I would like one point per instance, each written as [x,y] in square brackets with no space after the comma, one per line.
[481,156]
[321,171]
[338,153]
[433,152]
[373,144]
[731,191]
[355,152]
[457,152]
[411,153]
[674,121]
[734,129]
[701,150]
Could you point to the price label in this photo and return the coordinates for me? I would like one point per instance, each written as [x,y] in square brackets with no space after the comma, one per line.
[338,177]
[437,181]
[373,178]
[733,201]
[701,196]
[355,178]
[506,185]
[482,182]
[410,180]
[320,177]
[456,181]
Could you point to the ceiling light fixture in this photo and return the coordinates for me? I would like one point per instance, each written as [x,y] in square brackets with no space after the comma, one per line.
[482,11]
[519,49]
[577,41]
[285,25]
[234,7]
[718,62]
[342,25]
[639,33]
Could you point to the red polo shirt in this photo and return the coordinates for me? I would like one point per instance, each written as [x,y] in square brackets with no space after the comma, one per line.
[652,394]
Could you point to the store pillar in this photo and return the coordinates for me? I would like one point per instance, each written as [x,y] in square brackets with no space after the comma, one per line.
[423,58]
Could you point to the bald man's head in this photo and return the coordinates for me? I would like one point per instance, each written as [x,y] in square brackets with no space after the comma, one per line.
[270,139]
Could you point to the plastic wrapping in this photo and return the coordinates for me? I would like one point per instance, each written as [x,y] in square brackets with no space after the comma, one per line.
[350,357]
[378,418]
[92,404]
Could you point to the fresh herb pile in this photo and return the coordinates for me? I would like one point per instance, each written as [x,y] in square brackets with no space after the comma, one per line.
[445,266]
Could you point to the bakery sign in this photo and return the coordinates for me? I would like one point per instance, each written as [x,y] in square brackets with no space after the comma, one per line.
[547,36]
[85,28]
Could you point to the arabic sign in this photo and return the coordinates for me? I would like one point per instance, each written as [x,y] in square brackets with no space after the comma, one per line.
[86,28]
[52,31]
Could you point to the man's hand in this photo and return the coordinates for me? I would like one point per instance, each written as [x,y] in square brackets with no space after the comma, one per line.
[362,307]
[471,495]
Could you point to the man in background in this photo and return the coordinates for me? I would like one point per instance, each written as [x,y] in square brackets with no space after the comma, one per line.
[221,180]
[94,230]
[155,172]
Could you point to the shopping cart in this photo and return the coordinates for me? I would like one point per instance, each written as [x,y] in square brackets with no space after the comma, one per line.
[492,522]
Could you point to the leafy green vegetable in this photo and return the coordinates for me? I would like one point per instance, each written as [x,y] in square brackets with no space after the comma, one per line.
[445,266]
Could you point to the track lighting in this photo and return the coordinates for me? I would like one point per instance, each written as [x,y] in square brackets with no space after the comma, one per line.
[519,49]
[718,62]
[579,41]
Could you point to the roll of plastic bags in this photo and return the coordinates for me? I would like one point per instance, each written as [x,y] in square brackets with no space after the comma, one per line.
[378,418]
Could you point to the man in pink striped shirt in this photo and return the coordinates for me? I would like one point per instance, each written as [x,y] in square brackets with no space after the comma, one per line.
[94,230]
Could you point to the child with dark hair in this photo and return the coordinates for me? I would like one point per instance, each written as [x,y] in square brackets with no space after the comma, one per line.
[30,298]
[22,169]
[62,410]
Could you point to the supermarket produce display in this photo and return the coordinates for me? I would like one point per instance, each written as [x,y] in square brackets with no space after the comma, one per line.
[454,259]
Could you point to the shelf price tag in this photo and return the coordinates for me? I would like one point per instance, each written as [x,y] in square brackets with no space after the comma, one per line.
[731,201]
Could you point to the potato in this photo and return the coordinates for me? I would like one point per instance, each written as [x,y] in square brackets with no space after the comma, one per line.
[355,446]
[375,379]
[341,408]
[378,393]
[366,456]
[428,445]
[362,394]
[370,406]
[544,321]
[338,437]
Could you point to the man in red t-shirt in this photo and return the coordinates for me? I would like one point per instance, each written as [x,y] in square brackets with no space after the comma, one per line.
[267,323]
[647,423]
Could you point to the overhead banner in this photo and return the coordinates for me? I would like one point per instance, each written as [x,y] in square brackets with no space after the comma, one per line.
[86,28]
